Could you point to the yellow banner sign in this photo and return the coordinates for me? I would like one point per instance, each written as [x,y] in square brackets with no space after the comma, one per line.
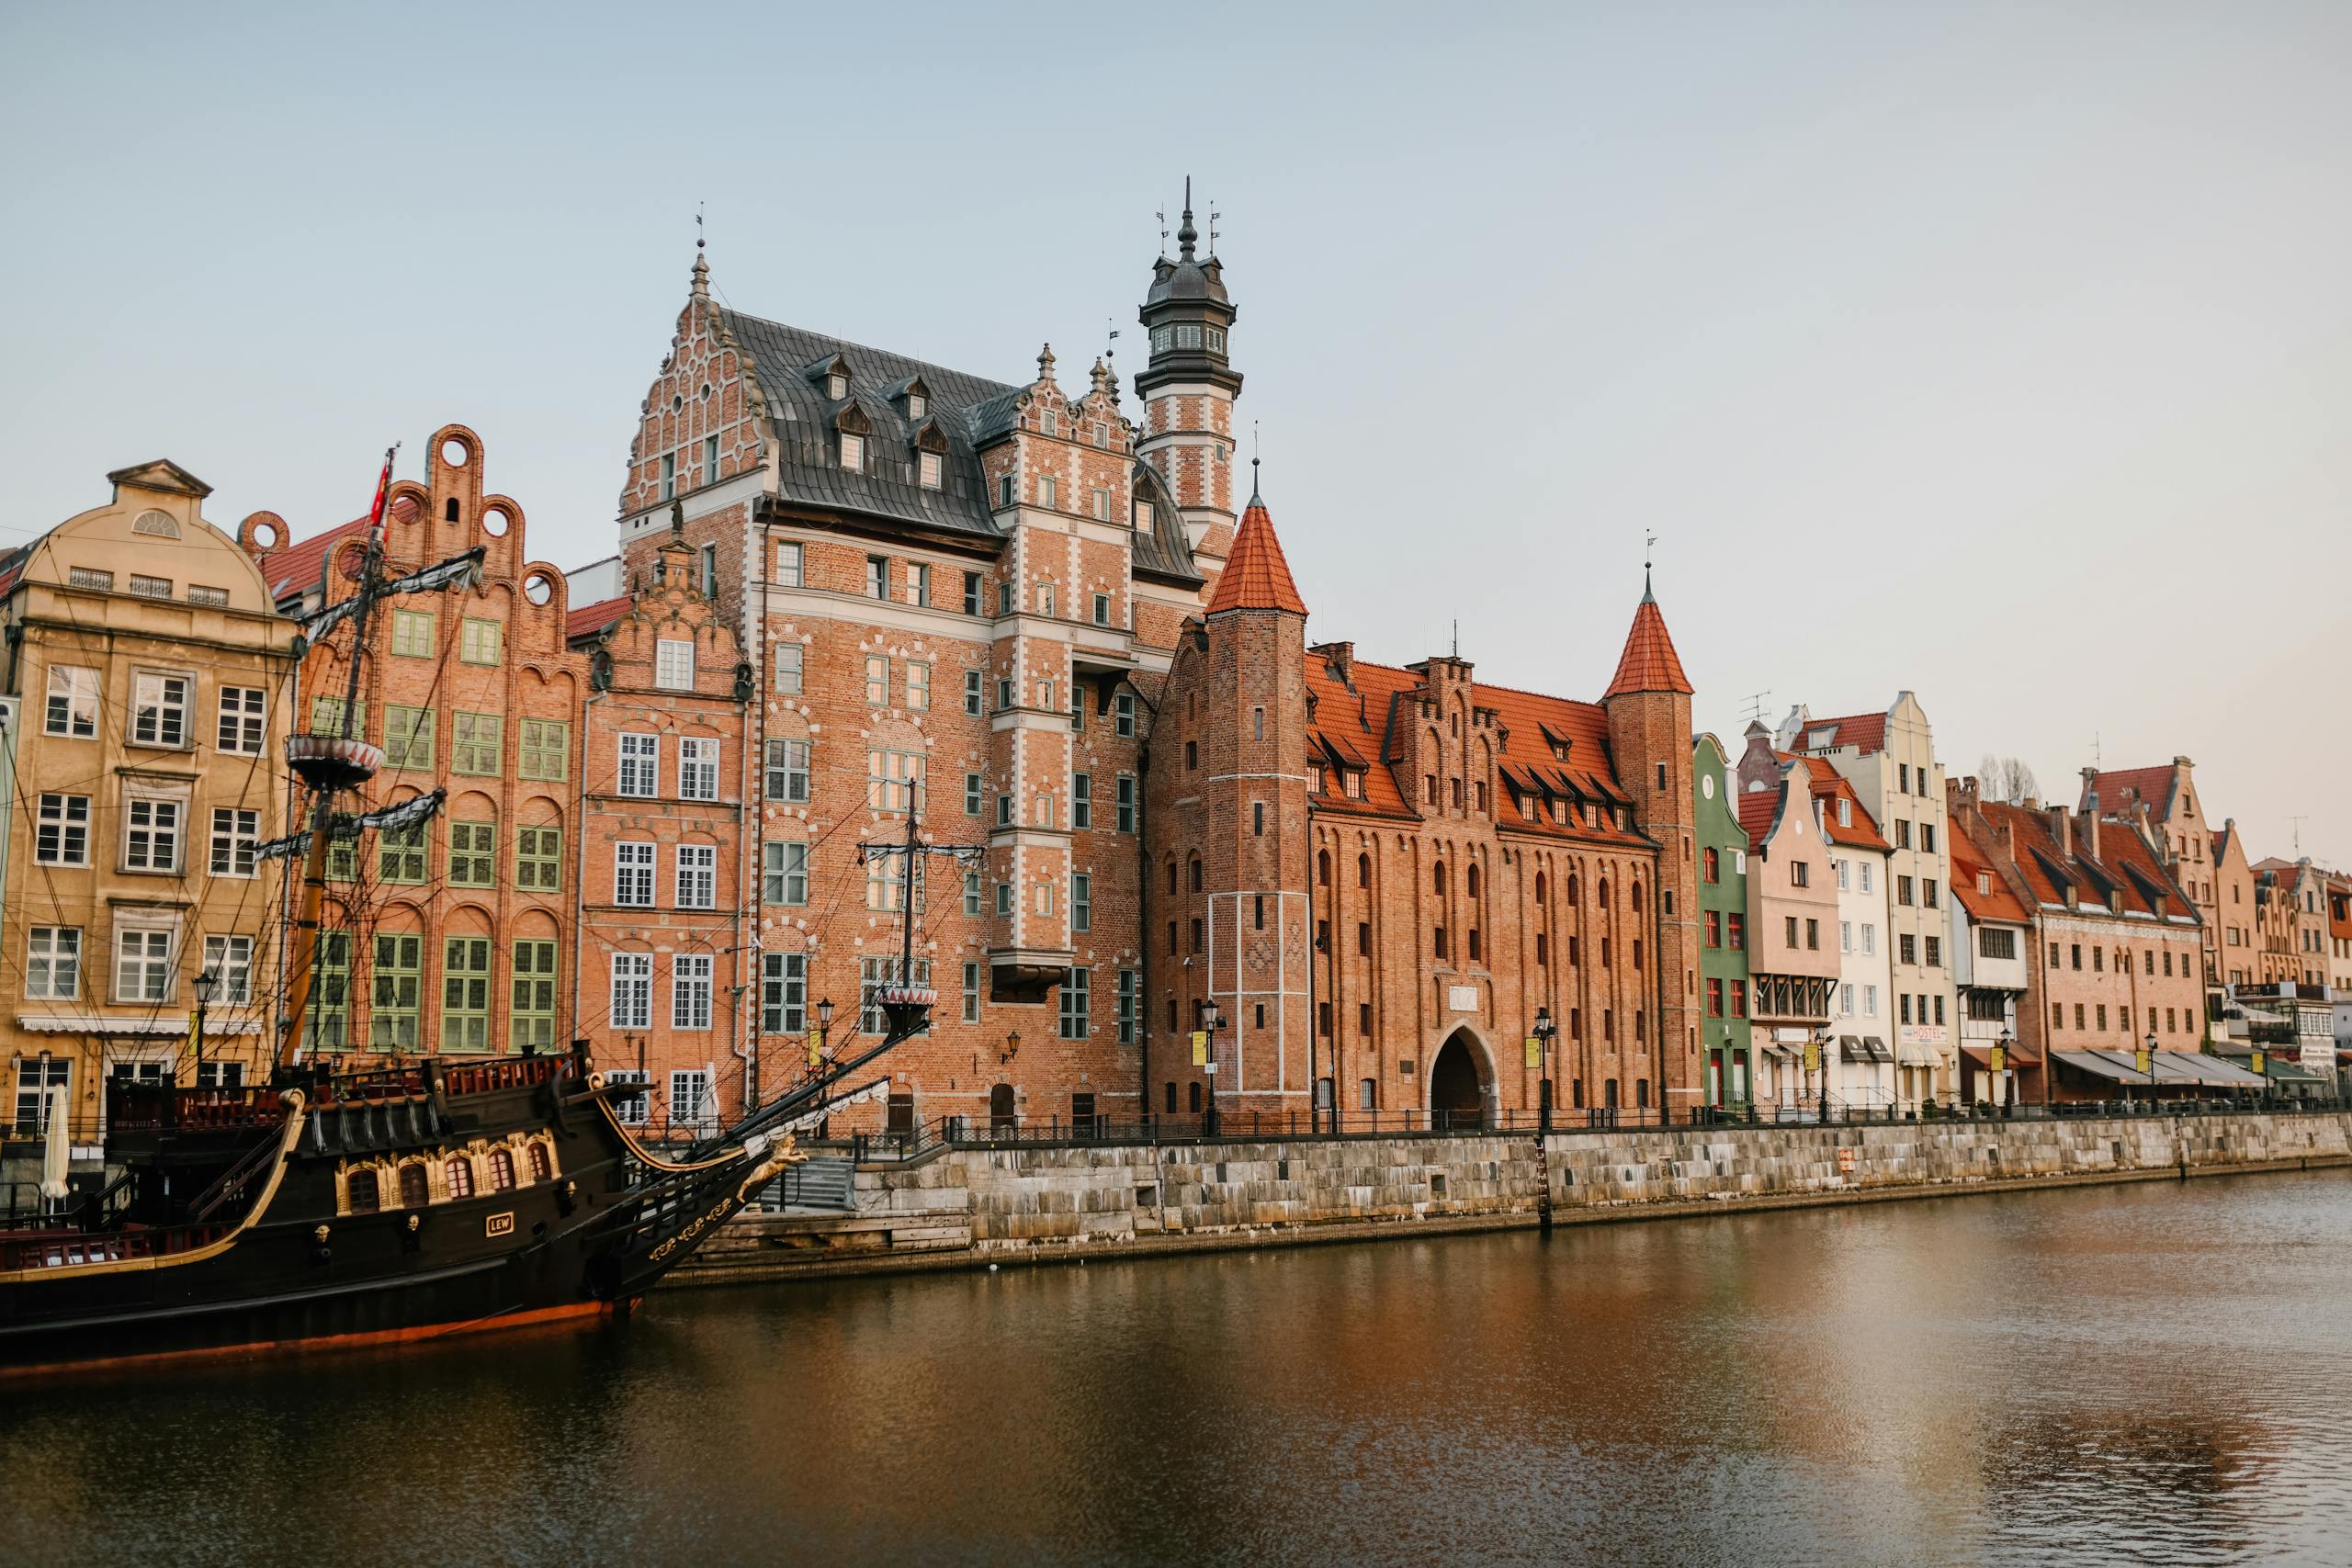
[1998,1057]
[1812,1055]
[1534,1053]
[1200,1046]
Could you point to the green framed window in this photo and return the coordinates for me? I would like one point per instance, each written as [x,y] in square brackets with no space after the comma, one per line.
[408,737]
[342,860]
[473,854]
[538,860]
[327,1025]
[396,994]
[531,1022]
[474,740]
[326,716]
[546,749]
[480,640]
[412,634]
[783,871]
[399,854]
[465,993]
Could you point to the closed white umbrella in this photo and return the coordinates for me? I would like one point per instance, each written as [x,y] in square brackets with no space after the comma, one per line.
[57,1153]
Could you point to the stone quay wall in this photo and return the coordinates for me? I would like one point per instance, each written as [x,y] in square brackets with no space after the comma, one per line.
[972,1206]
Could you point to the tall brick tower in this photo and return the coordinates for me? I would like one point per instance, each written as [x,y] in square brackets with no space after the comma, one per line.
[1648,705]
[1227,861]
[1188,389]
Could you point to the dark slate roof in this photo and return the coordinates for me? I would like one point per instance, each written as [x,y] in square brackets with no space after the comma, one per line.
[1162,549]
[971,411]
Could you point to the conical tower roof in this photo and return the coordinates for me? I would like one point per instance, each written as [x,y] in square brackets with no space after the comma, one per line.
[1649,662]
[1256,576]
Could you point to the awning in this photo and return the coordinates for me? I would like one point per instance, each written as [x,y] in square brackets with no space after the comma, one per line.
[2010,1057]
[2104,1064]
[1868,1049]
[1915,1055]
[2291,1072]
[2198,1068]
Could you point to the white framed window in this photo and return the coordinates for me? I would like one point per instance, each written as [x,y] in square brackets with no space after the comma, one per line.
[633,993]
[885,882]
[917,405]
[151,834]
[1865,867]
[877,680]
[158,708]
[788,563]
[698,770]
[1870,938]
[689,1097]
[641,765]
[633,876]
[669,475]
[1870,1001]
[783,871]
[52,963]
[927,470]
[698,876]
[918,686]
[1846,941]
[1842,867]
[853,452]
[637,1110]
[787,772]
[894,780]
[1102,504]
[243,720]
[1846,1000]
[234,833]
[877,577]
[784,992]
[61,831]
[788,669]
[1045,598]
[690,990]
[836,386]
[230,959]
[674,665]
[142,964]
[73,709]
[1043,901]
[1050,491]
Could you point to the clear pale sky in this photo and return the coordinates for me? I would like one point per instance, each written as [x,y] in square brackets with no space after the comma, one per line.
[2002,353]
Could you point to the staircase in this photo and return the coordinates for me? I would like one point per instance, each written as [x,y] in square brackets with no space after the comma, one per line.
[824,1185]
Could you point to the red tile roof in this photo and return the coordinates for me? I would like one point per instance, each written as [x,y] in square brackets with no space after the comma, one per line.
[1757,807]
[1829,786]
[1256,576]
[1999,904]
[2119,788]
[1865,730]
[298,568]
[2120,877]
[1649,662]
[589,619]
[1352,725]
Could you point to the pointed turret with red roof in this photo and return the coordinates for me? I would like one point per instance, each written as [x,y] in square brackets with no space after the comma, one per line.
[1256,576]
[1649,662]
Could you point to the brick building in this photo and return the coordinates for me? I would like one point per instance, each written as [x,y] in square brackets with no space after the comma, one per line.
[2175,822]
[2290,898]
[2236,910]
[1791,923]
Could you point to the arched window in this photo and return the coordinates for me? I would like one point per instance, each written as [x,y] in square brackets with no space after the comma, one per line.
[540,1168]
[501,1170]
[362,1186]
[1196,875]
[1637,894]
[460,1172]
[1193,1098]
[1363,871]
[1604,893]
[1171,876]
[449,509]
[1470,880]
[415,1191]
[1322,868]
[1539,889]
[1171,1097]
[1714,866]
[1572,889]
[1437,878]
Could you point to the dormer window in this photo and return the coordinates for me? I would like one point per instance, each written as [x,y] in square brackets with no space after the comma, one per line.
[836,386]
[1984,882]
[1845,813]
[1162,339]
[927,470]
[1215,339]
[1050,423]
[853,451]
[1188,334]
[917,405]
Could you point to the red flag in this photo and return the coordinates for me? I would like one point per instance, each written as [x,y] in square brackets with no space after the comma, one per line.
[383,493]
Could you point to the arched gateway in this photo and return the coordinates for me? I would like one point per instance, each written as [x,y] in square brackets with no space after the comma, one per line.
[1458,1089]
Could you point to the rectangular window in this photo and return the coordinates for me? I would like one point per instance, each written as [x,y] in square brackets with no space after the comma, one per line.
[633,876]
[1123,714]
[674,665]
[143,964]
[1049,490]
[243,720]
[465,993]
[530,1020]
[690,979]
[894,780]
[90,577]
[1993,941]
[546,749]
[1907,948]
[479,641]
[877,680]
[63,834]
[698,770]
[1903,890]
[877,577]
[633,1111]
[975,795]
[474,743]
[927,470]
[669,475]
[53,963]
[1081,800]
[1004,899]
[787,772]
[972,691]
[1101,609]
[151,835]
[73,708]
[919,583]
[971,893]
[158,708]
[328,1024]
[788,564]
[784,992]
[1870,938]
[972,993]
[396,996]
[1074,1004]
[853,452]
[412,634]
[709,463]
[1935,953]
[707,558]
[1125,810]
[408,737]
[538,860]
[233,835]
[918,686]
[872,974]
[971,593]
[788,669]
[640,771]
[1800,874]
[1082,901]
[783,871]
[473,856]
[632,990]
[1127,1008]
[698,876]
[400,853]
[885,882]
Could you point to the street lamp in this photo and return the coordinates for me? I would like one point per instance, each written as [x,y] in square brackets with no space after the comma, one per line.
[823,1042]
[2149,1057]
[207,986]
[1214,1019]
[2005,1044]
[1545,1033]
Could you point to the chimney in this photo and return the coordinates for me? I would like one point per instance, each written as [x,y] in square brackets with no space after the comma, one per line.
[2062,827]
[2090,788]
[2090,828]
[1342,657]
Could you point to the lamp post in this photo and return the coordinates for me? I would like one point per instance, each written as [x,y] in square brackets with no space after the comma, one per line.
[820,1046]
[208,983]
[2001,1049]
[1545,1033]
[2148,1065]
[1214,1021]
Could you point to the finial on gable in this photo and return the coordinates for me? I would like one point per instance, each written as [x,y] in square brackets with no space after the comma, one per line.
[1045,363]
[702,262]
[1187,235]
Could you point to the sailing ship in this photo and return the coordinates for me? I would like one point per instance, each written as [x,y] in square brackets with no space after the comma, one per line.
[400,1200]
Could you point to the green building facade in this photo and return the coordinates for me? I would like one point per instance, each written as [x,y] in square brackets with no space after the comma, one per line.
[1720,844]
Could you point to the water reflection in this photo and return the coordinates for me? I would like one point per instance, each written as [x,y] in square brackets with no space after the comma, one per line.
[2138,1374]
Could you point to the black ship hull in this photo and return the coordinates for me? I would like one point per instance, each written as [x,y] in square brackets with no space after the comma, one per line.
[413,1204]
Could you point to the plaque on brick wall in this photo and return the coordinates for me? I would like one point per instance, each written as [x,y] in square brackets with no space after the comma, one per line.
[1461,998]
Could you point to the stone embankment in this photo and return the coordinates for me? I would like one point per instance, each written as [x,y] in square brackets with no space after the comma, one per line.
[962,1207]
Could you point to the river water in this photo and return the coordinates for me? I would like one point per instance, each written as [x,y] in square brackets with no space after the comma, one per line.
[2152,1373]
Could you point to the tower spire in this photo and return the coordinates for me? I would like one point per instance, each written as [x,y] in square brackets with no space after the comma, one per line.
[1186,235]
[702,262]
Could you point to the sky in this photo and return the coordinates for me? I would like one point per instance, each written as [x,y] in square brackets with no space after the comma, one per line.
[2001,353]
